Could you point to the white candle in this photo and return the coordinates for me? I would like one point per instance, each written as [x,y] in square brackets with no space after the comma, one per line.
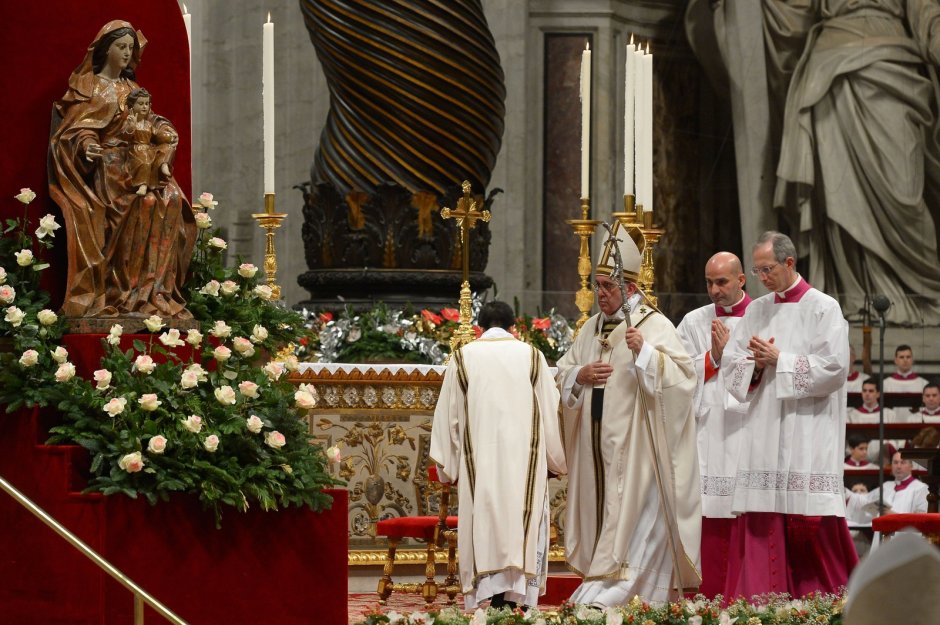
[629,113]
[586,121]
[189,30]
[267,98]
[648,129]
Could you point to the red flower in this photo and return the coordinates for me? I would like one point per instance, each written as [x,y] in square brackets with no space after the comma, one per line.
[431,317]
[303,341]
[325,317]
[542,324]
[451,314]
[478,331]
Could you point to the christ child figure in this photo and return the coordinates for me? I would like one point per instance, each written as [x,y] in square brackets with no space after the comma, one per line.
[151,146]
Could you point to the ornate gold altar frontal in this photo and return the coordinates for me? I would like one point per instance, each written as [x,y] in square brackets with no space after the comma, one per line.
[380,417]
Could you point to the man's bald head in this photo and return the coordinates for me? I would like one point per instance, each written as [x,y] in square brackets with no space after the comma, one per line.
[724,279]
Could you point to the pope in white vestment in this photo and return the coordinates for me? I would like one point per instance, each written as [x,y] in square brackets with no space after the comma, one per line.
[632,524]
[719,417]
[788,357]
[496,433]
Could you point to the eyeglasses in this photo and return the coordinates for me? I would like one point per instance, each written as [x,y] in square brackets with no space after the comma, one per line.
[607,288]
[763,271]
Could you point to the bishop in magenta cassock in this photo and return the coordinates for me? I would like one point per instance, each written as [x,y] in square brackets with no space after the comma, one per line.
[719,416]
[788,358]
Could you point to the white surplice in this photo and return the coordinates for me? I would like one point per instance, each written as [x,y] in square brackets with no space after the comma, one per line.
[791,460]
[719,416]
[616,533]
[912,383]
[862,414]
[496,428]
[913,498]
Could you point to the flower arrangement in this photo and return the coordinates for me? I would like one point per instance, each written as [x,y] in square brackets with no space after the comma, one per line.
[777,609]
[208,412]
[418,336]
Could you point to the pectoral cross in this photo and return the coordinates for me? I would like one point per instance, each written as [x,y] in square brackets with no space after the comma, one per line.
[467,216]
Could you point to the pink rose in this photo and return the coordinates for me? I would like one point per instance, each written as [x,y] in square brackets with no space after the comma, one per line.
[65,372]
[7,294]
[29,358]
[225,395]
[132,463]
[144,364]
[149,402]
[221,353]
[248,389]
[103,379]
[254,424]
[211,443]
[157,444]
[115,406]
[193,423]
[274,439]
[243,346]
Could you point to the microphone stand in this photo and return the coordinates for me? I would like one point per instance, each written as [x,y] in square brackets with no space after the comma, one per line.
[881,409]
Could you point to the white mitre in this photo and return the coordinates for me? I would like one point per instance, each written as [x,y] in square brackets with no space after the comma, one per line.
[895,583]
[629,252]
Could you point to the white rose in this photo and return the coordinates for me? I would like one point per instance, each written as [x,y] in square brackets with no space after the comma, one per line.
[263,291]
[211,288]
[189,380]
[201,374]
[259,333]
[144,364]
[103,379]
[243,346]
[3,275]
[613,616]
[153,323]
[220,330]
[171,338]
[14,316]
[157,444]
[247,270]
[225,395]
[229,287]
[193,423]
[203,221]
[7,294]
[115,406]
[194,338]
[114,335]
[149,402]
[47,317]
[274,370]
[47,227]
[206,201]
[274,439]
[221,353]
[248,389]
[60,354]
[24,258]
[29,358]
[304,400]
[218,243]
[132,463]
[26,195]
[333,454]
[291,363]
[254,424]
[211,443]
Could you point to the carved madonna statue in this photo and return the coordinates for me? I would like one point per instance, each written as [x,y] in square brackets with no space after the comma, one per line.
[129,244]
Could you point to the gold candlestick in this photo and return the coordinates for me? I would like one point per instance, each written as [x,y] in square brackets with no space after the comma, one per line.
[467,216]
[270,221]
[584,229]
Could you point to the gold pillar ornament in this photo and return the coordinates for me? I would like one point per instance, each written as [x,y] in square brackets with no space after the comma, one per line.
[467,216]
[270,221]
[584,229]
[642,221]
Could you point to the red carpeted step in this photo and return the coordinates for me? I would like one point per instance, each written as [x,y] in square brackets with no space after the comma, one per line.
[558,587]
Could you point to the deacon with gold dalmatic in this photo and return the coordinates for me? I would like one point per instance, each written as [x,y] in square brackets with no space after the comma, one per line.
[633,520]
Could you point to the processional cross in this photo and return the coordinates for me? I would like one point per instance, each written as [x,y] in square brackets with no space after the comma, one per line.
[467,216]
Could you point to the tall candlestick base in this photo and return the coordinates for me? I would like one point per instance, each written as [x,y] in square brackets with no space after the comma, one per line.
[270,221]
[584,229]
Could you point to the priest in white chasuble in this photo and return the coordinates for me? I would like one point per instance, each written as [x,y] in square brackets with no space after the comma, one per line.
[788,357]
[633,518]
[719,417]
[497,434]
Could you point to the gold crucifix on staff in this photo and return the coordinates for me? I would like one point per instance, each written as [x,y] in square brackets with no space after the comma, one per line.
[467,216]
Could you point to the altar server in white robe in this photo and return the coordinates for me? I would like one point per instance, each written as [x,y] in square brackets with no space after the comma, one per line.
[930,411]
[633,519]
[904,379]
[496,432]
[719,417]
[870,410]
[903,495]
[788,357]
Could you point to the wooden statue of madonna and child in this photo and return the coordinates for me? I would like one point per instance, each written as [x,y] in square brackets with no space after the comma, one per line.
[130,228]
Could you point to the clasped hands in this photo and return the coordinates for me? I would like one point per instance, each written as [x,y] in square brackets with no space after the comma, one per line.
[596,373]
[764,352]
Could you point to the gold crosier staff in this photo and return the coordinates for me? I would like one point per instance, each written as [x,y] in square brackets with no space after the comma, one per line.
[672,523]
